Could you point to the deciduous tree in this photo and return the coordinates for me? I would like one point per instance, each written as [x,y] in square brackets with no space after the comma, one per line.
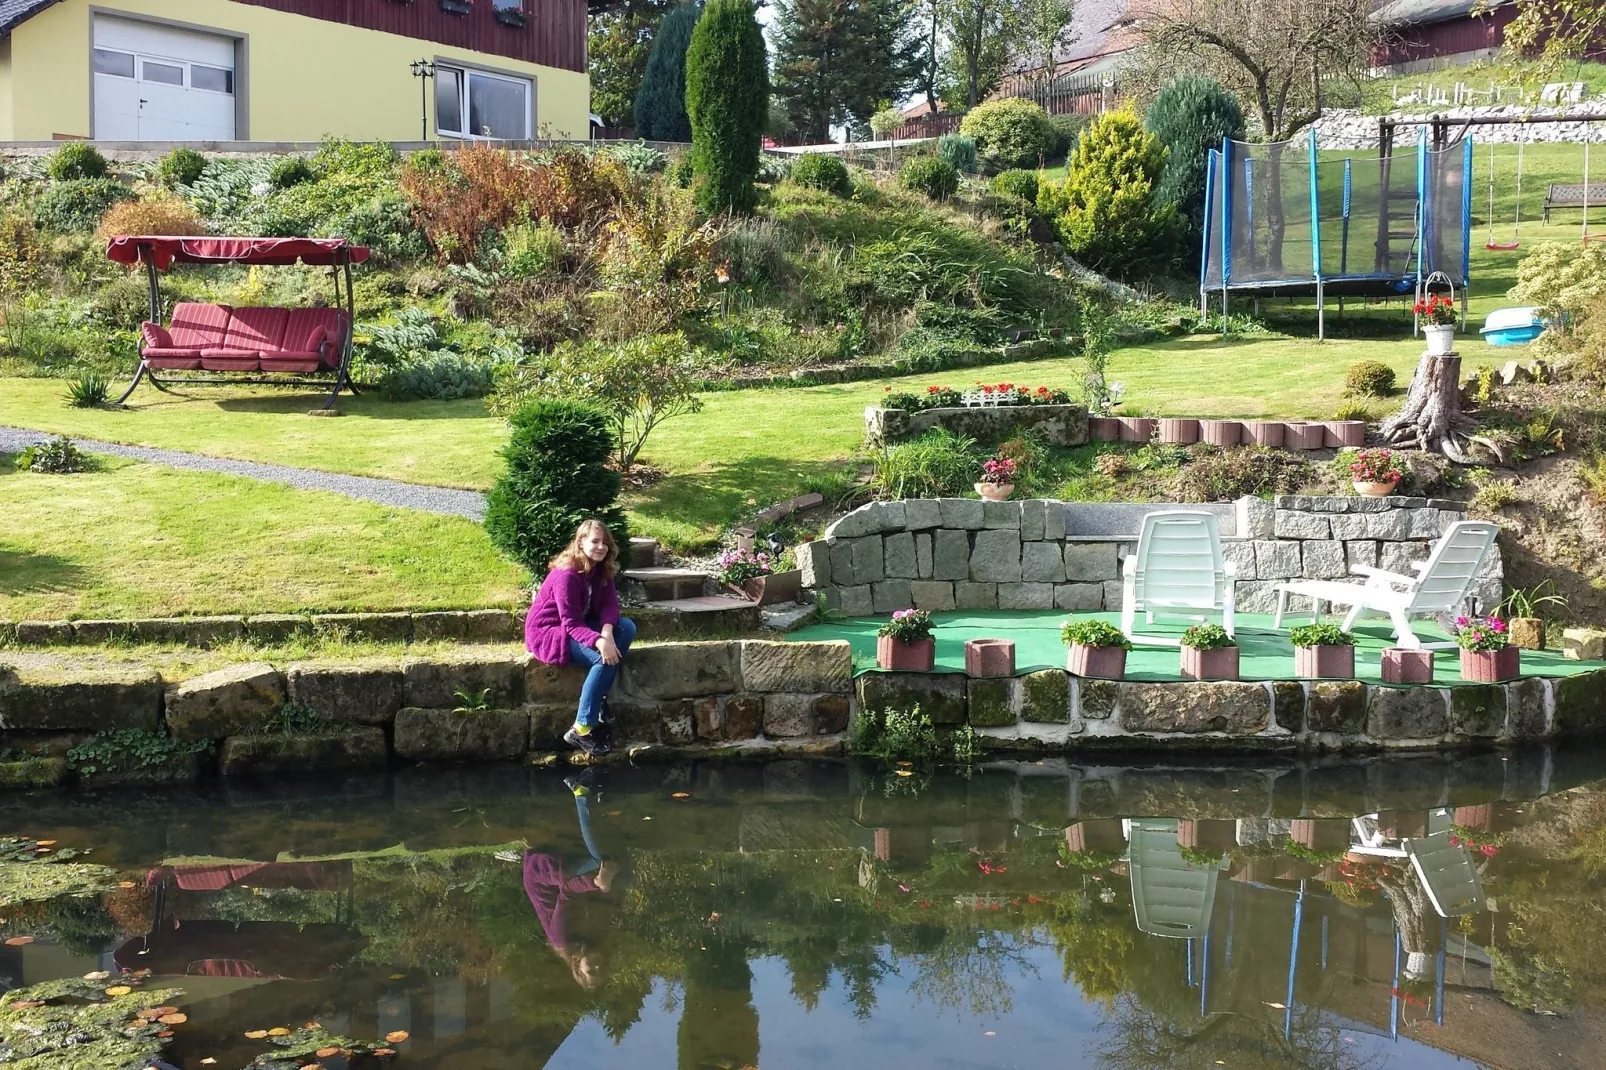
[1556,32]
[979,34]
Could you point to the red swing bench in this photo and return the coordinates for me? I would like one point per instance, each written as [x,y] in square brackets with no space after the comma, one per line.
[246,343]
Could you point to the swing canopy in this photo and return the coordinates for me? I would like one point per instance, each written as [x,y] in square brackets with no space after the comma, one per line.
[164,251]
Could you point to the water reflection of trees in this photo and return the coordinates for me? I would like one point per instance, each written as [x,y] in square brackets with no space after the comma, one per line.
[1140,1036]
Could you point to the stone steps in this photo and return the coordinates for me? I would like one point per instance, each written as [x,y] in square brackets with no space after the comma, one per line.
[662,584]
[698,615]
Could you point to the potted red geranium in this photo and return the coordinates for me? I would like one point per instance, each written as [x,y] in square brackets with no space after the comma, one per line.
[1487,655]
[1098,649]
[1438,315]
[1209,653]
[1323,651]
[997,479]
[1375,473]
[905,642]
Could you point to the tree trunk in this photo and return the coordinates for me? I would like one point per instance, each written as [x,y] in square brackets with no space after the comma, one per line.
[1431,418]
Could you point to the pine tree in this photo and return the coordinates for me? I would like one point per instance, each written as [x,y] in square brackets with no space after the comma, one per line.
[1191,116]
[727,99]
[618,44]
[837,60]
[661,101]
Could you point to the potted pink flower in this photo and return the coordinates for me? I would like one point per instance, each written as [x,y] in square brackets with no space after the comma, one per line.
[997,479]
[1209,653]
[1487,655]
[905,642]
[1323,651]
[1098,649]
[753,575]
[1375,473]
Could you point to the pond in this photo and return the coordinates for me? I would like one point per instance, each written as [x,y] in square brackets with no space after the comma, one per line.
[1410,912]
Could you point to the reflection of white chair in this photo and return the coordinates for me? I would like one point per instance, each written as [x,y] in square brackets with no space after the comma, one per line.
[1169,896]
[1448,874]
[1440,587]
[1177,566]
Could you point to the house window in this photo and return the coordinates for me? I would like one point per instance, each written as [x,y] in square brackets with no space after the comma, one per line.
[117,64]
[473,104]
[166,73]
[513,7]
[215,79]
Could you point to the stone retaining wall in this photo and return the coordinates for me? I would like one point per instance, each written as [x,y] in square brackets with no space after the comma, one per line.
[1062,425]
[958,553]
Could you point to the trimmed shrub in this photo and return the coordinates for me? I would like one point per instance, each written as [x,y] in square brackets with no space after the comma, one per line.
[1107,212]
[290,171]
[1190,117]
[1369,379]
[1017,183]
[76,206]
[727,100]
[181,167]
[821,170]
[661,100]
[556,476]
[166,214]
[934,177]
[960,152]
[1009,133]
[77,160]
[1067,131]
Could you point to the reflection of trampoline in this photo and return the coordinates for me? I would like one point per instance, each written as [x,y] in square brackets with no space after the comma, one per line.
[1281,222]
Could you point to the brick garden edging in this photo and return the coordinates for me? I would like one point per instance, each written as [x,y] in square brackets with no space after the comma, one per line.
[1071,425]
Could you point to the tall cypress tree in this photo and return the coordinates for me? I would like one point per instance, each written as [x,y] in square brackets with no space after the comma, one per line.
[661,101]
[727,99]
[1191,116]
[837,60]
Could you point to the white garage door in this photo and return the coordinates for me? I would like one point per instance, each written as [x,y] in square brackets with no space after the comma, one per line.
[154,83]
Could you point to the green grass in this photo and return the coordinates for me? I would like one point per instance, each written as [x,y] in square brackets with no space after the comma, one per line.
[142,540]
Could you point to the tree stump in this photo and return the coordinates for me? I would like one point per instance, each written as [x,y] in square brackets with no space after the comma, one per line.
[1431,418]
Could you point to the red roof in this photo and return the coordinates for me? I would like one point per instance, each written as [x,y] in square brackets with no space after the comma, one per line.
[163,251]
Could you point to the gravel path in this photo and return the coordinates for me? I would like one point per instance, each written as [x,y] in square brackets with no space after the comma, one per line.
[464,503]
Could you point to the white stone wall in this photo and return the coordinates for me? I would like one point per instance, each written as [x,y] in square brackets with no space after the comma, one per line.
[1343,128]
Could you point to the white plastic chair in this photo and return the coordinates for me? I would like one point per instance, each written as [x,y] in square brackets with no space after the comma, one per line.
[1177,566]
[1449,874]
[1439,587]
[1169,896]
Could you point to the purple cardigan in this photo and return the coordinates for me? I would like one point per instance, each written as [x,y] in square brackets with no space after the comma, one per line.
[566,600]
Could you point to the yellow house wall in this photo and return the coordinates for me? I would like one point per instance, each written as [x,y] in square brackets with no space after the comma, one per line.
[304,78]
[5,90]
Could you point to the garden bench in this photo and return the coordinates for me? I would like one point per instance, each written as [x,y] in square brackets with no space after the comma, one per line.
[1572,195]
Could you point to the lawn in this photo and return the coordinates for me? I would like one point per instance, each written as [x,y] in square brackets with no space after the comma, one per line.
[143,540]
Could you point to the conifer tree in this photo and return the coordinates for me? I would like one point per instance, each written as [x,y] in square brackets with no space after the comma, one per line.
[661,101]
[837,60]
[727,100]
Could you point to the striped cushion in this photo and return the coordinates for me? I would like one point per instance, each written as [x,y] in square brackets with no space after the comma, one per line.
[196,325]
[308,327]
[252,330]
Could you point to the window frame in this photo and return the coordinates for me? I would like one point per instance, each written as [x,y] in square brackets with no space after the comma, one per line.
[465,74]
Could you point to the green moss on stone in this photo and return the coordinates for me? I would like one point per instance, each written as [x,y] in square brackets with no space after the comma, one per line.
[36,882]
[79,1027]
[1096,698]
[1478,710]
[1581,702]
[990,703]
[33,772]
[1045,697]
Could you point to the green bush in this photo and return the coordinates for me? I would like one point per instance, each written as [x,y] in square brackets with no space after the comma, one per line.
[661,99]
[74,206]
[1016,183]
[938,464]
[1107,212]
[1067,131]
[77,160]
[1320,635]
[56,457]
[1190,116]
[727,100]
[1229,474]
[1560,278]
[821,170]
[907,735]
[290,171]
[385,224]
[181,167]
[556,476]
[1009,133]
[438,377]
[960,152]
[1369,379]
[1093,633]
[88,390]
[930,175]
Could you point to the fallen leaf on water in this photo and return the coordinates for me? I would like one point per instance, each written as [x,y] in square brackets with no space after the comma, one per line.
[989,1033]
[646,819]
[256,1034]
[397,1037]
[125,884]
[278,1031]
[680,795]
[46,843]
[209,1061]
[19,941]
[903,762]
[142,973]
[382,1052]
[173,1019]
[96,975]
[310,1025]
[118,990]
[903,772]
[1275,1006]
[165,1033]
[324,1053]
[615,813]
[44,850]
[151,1012]
[24,1004]
[398,977]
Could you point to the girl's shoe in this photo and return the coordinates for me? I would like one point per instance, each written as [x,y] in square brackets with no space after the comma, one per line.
[587,744]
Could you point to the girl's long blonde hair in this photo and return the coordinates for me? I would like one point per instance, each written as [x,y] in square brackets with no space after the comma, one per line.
[573,558]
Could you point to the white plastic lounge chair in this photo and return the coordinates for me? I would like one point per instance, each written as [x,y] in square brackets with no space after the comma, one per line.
[1177,566]
[1439,587]
[1169,897]
[1449,874]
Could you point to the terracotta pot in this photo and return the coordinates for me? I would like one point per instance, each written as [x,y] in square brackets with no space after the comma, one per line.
[1491,666]
[1178,431]
[776,587]
[1263,433]
[1096,662]
[1374,490]
[1218,664]
[917,656]
[1207,834]
[995,492]
[1440,339]
[1324,662]
[1527,633]
[1402,666]
[1103,429]
[1320,833]
[1343,434]
[1480,817]
[1221,432]
[1137,428]
[1303,436]
[990,657]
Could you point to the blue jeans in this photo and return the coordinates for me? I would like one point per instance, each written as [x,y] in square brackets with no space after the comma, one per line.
[599,681]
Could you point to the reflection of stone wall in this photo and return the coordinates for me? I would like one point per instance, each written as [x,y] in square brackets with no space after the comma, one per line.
[962,553]
[1063,425]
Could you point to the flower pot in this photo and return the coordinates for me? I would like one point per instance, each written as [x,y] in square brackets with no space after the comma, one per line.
[1479,817]
[1263,433]
[1491,666]
[511,18]
[1220,432]
[1096,662]
[1324,662]
[1403,666]
[1137,428]
[995,492]
[1218,664]
[1303,436]
[1207,834]
[1103,429]
[1103,834]
[776,587]
[457,7]
[1343,434]
[1527,633]
[1440,339]
[1374,490]
[990,657]
[1178,431]
[1320,833]
[917,656]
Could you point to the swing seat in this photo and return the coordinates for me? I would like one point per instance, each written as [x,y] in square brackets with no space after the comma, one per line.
[1507,245]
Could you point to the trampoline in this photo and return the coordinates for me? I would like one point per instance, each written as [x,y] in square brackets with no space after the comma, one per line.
[1283,222]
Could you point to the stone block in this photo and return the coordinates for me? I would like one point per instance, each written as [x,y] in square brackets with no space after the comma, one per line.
[781,666]
[975,595]
[1288,704]
[951,555]
[553,683]
[190,631]
[890,595]
[1393,525]
[941,696]
[472,626]
[934,595]
[223,703]
[1091,562]
[1526,718]
[857,601]
[677,723]
[478,736]
[1426,523]
[1232,707]
[33,772]
[378,627]
[1335,706]
[889,516]
[860,522]
[1277,560]
[1360,552]
[744,716]
[1583,644]
[1001,516]
[1042,562]
[1031,519]
[277,627]
[1580,703]
[1025,596]
[788,716]
[682,670]
[433,683]
[898,556]
[1079,596]
[1397,556]
[1323,560]
[995,558]
[991,702]
[1405,713]
[919,514]
[1260,596]
[104,631]
[1045,696]
[1053,521]
[267,755]
[1478,711]
[814,561]
[960,513]
[869,566]
[1112,594]
[91,700]
[841,558]
[1291,524]
[1241,556]
[347,694]
[923,560]
[1257,518]
[548,722]
[43,632]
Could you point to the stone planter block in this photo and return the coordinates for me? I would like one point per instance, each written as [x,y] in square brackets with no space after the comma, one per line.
[1491,666]
[1104,429]
[1220,432]
[1096,662]
[1320,834]
[1402,666]
[1137,428]
[1304,436]
[1179,431]
[1207,834]
[1480,817]
[1101,835]
[917,656]
[1527,633]
[989,657]
[1218,664]
[776,587]
[1263,433]
[1324,662]
[1343,434]
[1583,644]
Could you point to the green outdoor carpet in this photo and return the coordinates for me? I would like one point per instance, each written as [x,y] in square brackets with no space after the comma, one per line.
[1265,654]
